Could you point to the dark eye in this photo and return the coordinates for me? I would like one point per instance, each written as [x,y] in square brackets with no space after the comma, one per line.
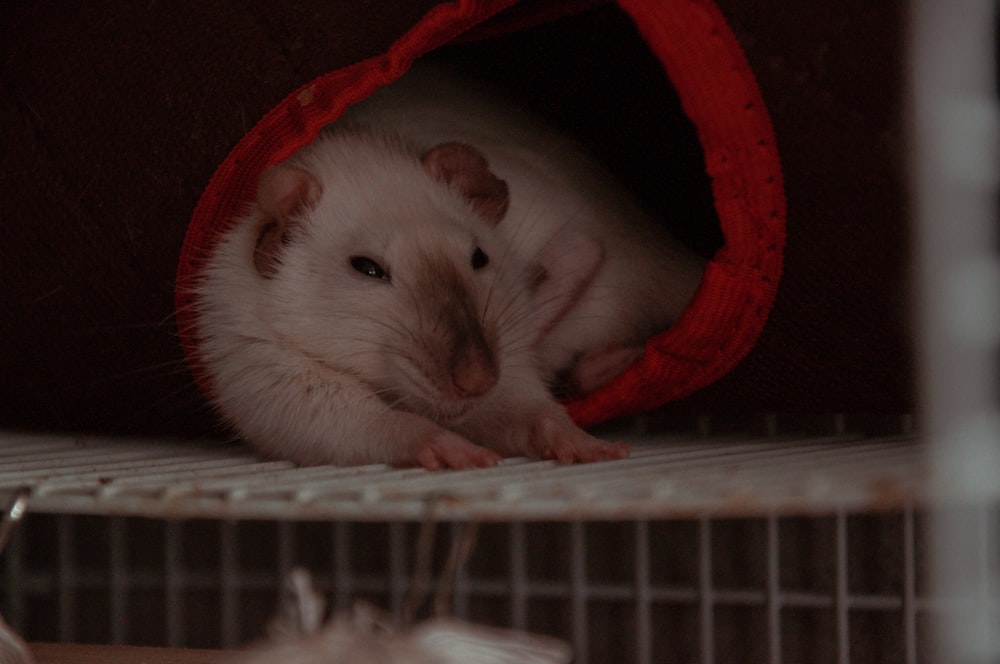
[369,268]
[479,259]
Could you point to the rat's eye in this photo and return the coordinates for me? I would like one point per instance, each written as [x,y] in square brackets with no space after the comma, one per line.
[369,268]
[479,259]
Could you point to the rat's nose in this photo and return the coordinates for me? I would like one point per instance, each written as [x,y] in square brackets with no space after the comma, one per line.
[474,372]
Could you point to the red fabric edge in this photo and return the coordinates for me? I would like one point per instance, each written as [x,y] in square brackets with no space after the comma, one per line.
[527,15]
[719,93]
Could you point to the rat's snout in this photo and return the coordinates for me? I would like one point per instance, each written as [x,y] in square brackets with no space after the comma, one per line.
[454,334]
[474,370]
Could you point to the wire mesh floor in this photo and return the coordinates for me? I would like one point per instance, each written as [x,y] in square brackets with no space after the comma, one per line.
[703,546]
[833,589]
[669,477]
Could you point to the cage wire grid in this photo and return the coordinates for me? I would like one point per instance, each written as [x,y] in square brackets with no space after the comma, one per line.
[240,592]
[634,590]
[660,615]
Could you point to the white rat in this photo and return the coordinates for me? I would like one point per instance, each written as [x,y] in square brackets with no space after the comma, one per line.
[646,278]
[368,310]
[409,286]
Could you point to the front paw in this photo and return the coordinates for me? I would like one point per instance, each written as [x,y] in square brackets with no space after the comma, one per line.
[445,449]
[564,442]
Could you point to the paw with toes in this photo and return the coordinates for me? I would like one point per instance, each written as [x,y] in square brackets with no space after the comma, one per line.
[566,443]
[450,450]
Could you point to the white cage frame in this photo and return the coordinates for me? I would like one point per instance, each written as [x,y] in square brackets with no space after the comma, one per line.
[956,136]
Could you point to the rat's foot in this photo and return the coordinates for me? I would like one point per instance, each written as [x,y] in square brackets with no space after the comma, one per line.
[445,449]
[566,443]
[598,367]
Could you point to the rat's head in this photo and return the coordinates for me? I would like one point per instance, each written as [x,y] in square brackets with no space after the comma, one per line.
[390,266]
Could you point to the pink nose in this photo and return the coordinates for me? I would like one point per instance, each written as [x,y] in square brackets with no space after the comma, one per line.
[474,374]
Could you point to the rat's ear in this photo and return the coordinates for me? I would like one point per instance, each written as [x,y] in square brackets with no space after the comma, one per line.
[465,169]
[283,193]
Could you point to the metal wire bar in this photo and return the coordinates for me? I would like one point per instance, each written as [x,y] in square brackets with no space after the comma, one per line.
[230,573]
[176,582]
[120,580]
[518,576]
[67,586]
[773,591]
[643,617]
[344,587]
[14,595]
[909,587]
[842,598]
[579,592]
[706,598]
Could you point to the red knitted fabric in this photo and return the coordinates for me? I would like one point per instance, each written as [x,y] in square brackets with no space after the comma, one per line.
[718,92]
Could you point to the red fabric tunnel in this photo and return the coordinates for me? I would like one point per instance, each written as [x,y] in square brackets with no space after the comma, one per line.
[717,91]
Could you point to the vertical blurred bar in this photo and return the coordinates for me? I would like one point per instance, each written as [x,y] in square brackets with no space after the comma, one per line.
[68,582]
[460,600]
[840,604]
[706,599]
[228,543]
[839,424]
[398,571]
[987,602]
[773,590]
[120,581]
[174,585]
[644,621]
[343,575]
[14,585]
[518,576]
[910,586]
[286,551]
[954,176]
[578,592]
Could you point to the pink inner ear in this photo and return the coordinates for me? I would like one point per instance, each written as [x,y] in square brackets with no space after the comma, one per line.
[464,168]
[284,191]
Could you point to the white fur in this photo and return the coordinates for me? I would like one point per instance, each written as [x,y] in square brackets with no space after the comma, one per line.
[320,363]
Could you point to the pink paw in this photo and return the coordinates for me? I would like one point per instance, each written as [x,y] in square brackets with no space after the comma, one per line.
[449,450]
[566,443]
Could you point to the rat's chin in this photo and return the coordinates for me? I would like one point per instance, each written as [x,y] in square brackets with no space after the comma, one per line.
[424,398]
[449,411]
